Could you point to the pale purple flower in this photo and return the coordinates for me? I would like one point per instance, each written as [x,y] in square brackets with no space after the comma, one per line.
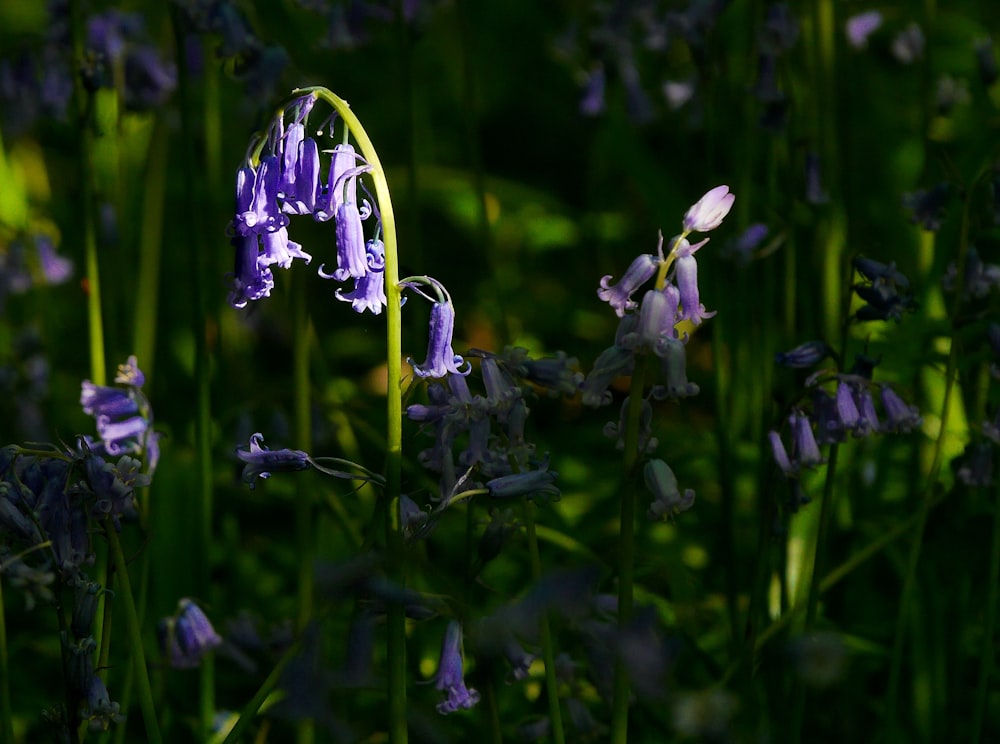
[369,290]
[709,211]
[687,282]
[673,370]
[533,483]
[859,27]
[187,636]
[679,92]
[900,416]
[441,358]
[619,296]
[908,45]
[351,254]
[612,363]
[668,501]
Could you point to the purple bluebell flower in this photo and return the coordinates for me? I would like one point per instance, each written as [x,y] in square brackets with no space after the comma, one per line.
[55,269]
[187,636]
[619,296]
[519,659]
[533,483]
[708,212]
[264,214]
[673,371]
[441,358]
[883,302]
[900,416]
[859,27]
[351,252]
[687,282]
[369,290]
[880,273]
[613,362]
[449,678]
[304,189]
[668,501]
[647,443]
[829,426]
[278,249]
[592,102]
[847,409]
[908,45]
[261,461]
[343,161]
[804,355]
[414,520]
[805,451]
[555,374]
[252,280]
[868,422]
[926,206]
[122,416]
[120,436]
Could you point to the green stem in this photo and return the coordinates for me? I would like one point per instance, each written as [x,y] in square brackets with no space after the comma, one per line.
[626,547]
[986,659]
[396,676]
[812,598]
[6,715]
[134,633]
[548,649]
[926,498]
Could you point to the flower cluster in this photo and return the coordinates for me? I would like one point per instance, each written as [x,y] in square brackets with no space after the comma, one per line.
[654,326]
[285,178]
[883,289]
[123,415]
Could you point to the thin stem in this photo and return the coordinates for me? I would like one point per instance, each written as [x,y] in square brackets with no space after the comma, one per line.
[6,714]
[626,548]
[134,633]
[548,649]
[812,598]
[396,676]
[986,659]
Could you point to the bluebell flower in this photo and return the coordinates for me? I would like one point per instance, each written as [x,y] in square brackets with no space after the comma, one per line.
[450,674]
[304,189]
[708,212]
[926,206]
[264,214]
[441,358]
[668,501]
[859,27]
[804,355]
[868,422]
[900,416]
[252,280]
[343,161]
[647,443]
[519,659]
[261,461]
[369,290]
[908,45]
[847,409]
[278,249]
[880,273]
[805,451]
[122,416]
[55,269]
[612,363]
[556,374]
[619,296]
[673,381]
[829,426]
[187,636]
[687,282]
[533,483]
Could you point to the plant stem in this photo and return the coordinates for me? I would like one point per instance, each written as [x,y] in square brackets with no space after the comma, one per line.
[986,659]
[396,619]
[6,714]
[548,650]
[134,633]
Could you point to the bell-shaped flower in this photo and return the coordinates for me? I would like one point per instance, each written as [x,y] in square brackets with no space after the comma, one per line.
[687,283]
[667,498]
[709,211]
[900,416]
[251,279]
[351,254]
[369,290]
[612,363]
[450,676]
[441,357]
[187,636]
[344,160]
[278,249]
[673,370]
[304,189]
[619,296]
[531,484]
[261,461]
[294,136]
[806,450]
[804,355]
[264,214]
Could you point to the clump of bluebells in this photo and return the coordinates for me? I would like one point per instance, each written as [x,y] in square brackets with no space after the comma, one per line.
[651,329]
[53,501]
[836,403]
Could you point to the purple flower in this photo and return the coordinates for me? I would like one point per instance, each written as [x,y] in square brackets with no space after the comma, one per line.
[709,211]
[351,255]
[264,214]
[804,355]
[261,462]
[343,162]
[859,27]
[880,273]
[531,484]
[449,678]
[638,273]
[687,283]
[278,249]
[56,269]
[908,46]
[251,280]
[926,206]
[369,290]
[673,370]
[612,362]
[592,102]
[122,415]
[187,636]
[441,358]
[668,501]
[900,416]
[742,247]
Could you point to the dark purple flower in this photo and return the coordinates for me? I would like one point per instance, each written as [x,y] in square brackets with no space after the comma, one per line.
[441,358]
[638,273]
[673,371]
[261,462]
[880,273]
[187,636]
[868,422]
[804,355]
[742,248]
[251,280]
[304,187]
[533,483]
[449,678]
[900,416]
[612,363]
[56,269]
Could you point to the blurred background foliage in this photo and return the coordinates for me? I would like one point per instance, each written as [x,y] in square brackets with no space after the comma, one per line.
[519,193]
